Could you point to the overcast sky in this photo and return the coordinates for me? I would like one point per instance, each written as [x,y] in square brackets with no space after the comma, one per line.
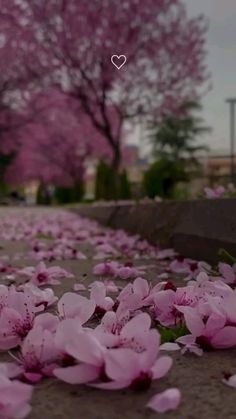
[222,64]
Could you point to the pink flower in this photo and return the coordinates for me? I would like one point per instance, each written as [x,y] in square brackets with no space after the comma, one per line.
[104,250]
[112,322]
[106,268]
[129,333]
[39,354]
[44,298]
[210,331]
[166,304]
[14,398]
[167,400]
[16,319]
[41,275]
[127,368]
[72,305]
[137,294]
[128,272]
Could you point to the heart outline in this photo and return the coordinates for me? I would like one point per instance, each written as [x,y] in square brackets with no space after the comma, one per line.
[118,57]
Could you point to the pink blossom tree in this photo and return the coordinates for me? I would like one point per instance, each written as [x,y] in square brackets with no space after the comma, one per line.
[69,43]
[54,142]
[165,52]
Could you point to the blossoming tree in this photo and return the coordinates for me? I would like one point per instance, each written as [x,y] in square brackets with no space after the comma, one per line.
[70,44]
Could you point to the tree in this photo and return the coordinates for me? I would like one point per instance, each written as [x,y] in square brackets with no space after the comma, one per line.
[72,41]
[161,178]
[53,146]
[176,137]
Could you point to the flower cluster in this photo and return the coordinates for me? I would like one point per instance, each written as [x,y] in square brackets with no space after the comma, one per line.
[111,333]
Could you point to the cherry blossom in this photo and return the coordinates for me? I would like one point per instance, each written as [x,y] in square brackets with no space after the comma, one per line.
[39,354]
[41,275]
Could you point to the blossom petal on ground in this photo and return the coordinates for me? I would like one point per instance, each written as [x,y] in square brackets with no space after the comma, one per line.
[167,400]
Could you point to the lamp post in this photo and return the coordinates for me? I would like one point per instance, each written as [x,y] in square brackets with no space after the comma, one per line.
[232,102]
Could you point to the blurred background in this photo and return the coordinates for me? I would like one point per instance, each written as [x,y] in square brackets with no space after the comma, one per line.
[74,128]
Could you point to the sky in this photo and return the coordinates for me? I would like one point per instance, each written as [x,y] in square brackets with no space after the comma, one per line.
[221,61]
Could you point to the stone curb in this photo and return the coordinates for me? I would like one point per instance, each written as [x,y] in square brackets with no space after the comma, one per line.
[196,229]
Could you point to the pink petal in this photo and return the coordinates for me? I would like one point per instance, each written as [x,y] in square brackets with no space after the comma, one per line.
[79,374]
[225,338]
[193,320]
[112,385]
[161,367]
[169,346]
[231,381]
[121,364]
[86,349]
[79,287]
[139,323]
[167,400]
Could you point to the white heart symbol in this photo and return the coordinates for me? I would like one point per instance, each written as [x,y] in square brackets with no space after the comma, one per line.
[118,60]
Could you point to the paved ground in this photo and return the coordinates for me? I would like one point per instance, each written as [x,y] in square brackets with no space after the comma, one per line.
[199,378]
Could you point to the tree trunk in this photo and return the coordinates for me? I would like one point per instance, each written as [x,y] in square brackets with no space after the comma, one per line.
[115,165]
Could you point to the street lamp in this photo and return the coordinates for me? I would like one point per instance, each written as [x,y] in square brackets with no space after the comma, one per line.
[232,103]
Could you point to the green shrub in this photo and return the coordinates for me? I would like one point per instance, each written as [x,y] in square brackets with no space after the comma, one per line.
[67,195]
[110,184]
[161,178]
[125,190]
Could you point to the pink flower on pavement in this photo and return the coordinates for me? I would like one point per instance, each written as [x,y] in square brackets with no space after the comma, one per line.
[16,319]
[72,305]
[98,295]
[127,368]
[14,398]
[39,354]
[188,266]
[165,401]
[89,353]
[204,286]
[166,304]
[131,333]
[180,265]
[44,298]
[128,272]
[105,268]
[106,250]
[165,254]
[41,275]
[210,331]
[137,294]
